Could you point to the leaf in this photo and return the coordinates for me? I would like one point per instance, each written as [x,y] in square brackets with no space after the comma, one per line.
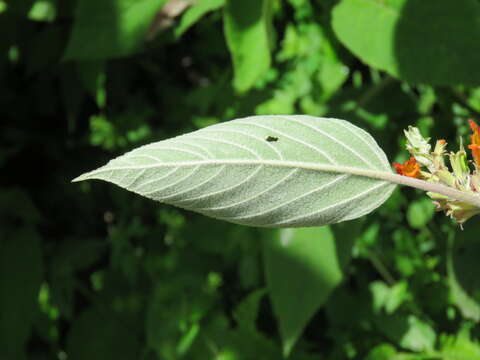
[93,77]
[419,337]
[392,35]
[410,332]
[382,352]
[459,347]
[420,212]
[71,255]
[195,13]
[302,268]
[99,334]
[271,171]
[21,268]
[463,272]
[246,312]
[110,28]
[246,25]
[388,298]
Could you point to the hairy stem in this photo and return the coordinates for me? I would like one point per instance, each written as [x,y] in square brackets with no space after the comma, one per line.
[432,187]
[469,198]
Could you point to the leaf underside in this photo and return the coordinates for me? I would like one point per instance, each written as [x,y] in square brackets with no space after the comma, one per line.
[260,171]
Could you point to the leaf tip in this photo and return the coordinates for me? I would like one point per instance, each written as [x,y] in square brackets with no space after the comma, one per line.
[287,347]
[83,177]
[79,178]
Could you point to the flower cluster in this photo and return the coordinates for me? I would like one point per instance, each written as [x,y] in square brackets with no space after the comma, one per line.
[431,166]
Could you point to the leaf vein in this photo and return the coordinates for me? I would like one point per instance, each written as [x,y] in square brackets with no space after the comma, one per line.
[252,197]
[331,138]
[280,155]
[276,208]
[194,186]
[137,189]
[346,126]
[228,143]
[326,208]
[323,153]
[195,169]
[213,193]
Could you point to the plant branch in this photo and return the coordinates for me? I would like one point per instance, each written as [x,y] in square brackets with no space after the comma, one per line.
[382,269]
[469,198]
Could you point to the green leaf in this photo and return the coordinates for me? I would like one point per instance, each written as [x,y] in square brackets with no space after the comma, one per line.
[43,11]
[246,312]
[302,268]
[409,332]
[392,35]
[21,270]
[246,26]
[72,255]
[464,273]
[420,212]
[93,77]
[459,347]
[272,171]
[195,13]
[419,337]
[382,352]
[388,298]
[110,28]
[98,334]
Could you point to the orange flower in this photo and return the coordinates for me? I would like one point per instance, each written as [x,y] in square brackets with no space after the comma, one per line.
[475,142]
[409,168]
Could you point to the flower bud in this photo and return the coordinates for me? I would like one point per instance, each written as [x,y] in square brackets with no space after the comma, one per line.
[418,146]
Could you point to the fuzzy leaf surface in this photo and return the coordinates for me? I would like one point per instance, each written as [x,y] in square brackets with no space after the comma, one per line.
[270,171]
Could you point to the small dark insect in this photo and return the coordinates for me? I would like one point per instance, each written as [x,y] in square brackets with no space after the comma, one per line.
[271,138]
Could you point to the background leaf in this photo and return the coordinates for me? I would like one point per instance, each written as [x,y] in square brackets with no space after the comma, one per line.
[246,25]
[463,274]
[302,267]
[21,273]
[249,171]
[420,212]
[195,12]
[393,36]
[110,28]
[110,338]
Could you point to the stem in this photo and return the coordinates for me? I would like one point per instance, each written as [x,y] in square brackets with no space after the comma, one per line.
[469,198]
[382,270]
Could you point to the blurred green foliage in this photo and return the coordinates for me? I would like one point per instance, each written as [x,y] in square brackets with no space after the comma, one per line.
[89,271]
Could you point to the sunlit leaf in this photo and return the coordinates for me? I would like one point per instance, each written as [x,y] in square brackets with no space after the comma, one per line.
[409,332]
[393,35]
[195,13]
[272,171]
[302,268]
[110,28]
[460,346]
[246,31]
[420,212]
